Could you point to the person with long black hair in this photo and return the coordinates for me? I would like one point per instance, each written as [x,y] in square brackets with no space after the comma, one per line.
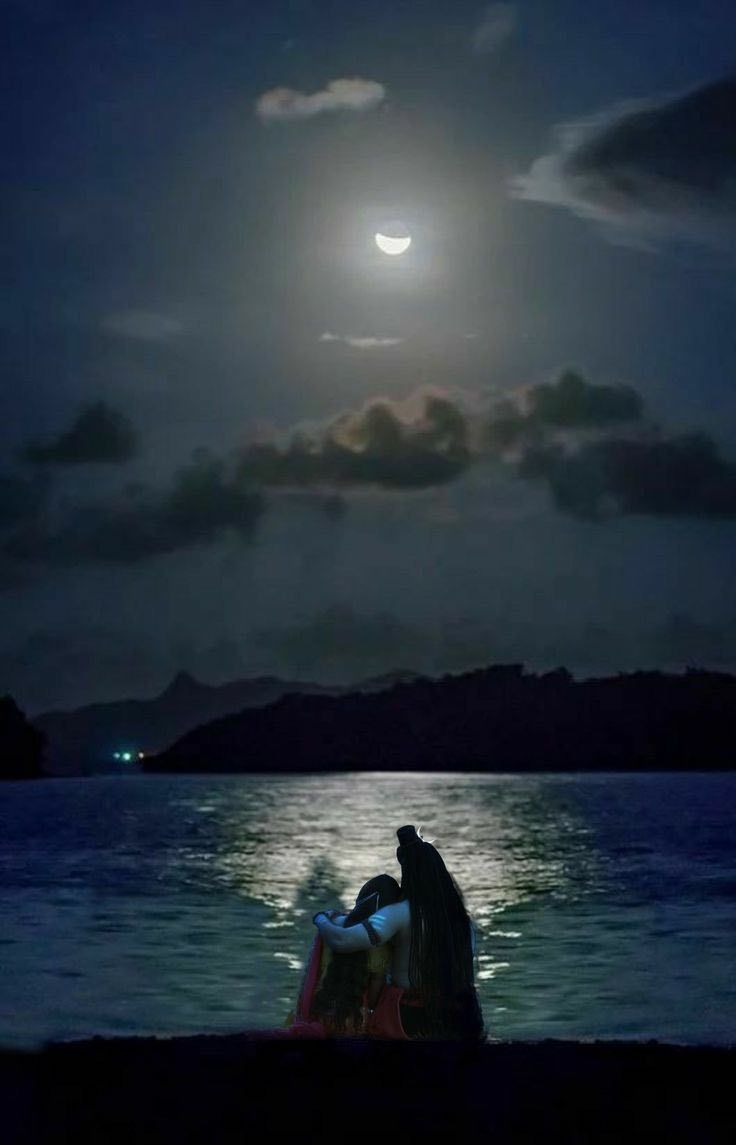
[432,990]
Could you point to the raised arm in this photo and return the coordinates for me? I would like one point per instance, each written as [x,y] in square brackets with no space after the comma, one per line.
[381,927]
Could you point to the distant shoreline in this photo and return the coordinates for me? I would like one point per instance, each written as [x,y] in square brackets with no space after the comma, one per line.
[237,1087]
[498,719]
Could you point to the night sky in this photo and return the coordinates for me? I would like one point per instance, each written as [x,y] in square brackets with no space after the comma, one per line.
[238,438]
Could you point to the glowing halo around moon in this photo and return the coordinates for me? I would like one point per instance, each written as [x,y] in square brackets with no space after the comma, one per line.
[390,244]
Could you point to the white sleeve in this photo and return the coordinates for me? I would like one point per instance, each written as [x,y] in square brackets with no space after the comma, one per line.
[375,931]
[387,922]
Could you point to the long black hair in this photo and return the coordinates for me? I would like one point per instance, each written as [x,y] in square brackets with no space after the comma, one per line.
[340,995]
[441,970]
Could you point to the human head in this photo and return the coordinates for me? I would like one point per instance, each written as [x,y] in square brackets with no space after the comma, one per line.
[408,836]
[420,862]
[377,892]
[340,995]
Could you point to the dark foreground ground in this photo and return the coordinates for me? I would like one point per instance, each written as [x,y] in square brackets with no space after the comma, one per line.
[248,1089]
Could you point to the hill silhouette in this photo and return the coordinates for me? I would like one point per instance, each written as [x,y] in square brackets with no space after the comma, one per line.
[85,739]
[21,744]
[496,719]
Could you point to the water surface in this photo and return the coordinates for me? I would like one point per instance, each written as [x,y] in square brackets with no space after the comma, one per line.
[605,904]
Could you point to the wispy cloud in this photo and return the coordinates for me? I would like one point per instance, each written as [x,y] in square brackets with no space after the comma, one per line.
[284,103]
[653,169]
[496,25]
[141,325]
[359,342]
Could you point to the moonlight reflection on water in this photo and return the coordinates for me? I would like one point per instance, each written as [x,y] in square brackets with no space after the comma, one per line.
[604,903]
[295,842]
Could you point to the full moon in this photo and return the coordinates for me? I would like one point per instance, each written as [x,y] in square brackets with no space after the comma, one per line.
[389,244]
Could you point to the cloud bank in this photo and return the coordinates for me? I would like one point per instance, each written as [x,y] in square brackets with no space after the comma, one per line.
[375,446]
[284,103]
[570,403]
[99,435]
[660,167]
[589,444]
[681,476]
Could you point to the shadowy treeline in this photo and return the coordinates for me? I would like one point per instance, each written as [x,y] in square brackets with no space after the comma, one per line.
[496,719]
[21,745]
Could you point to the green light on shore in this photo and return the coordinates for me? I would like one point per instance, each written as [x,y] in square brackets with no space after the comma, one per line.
[128,756]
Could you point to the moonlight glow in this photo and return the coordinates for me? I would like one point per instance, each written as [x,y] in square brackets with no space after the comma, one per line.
[391,245]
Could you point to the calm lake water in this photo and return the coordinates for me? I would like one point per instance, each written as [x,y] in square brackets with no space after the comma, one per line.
[605,904]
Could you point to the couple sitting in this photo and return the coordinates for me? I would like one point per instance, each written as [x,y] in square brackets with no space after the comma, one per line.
[400,965]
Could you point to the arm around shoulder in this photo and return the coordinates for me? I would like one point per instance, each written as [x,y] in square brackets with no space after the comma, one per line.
[381,927]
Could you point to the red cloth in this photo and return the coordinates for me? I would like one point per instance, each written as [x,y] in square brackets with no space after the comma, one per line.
[385,1021]
[305,1025]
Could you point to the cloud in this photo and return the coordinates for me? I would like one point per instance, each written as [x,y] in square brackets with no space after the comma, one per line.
[497,25]
[203,503]
[283,103]
[359,342]
[374,446]
[682,476]
[660,167]
[590,445]
[20,500]
[573,403]
[570,403]
[142,325]
[99,435]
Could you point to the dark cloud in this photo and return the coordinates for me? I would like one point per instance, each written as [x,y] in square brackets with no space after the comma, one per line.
[203,503]
[679,477]
[372,447]
[570,403]
[20,499]
[99,435]
[668,163]
[573,403]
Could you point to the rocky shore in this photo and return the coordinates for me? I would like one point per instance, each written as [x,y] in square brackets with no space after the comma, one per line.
[252,1087]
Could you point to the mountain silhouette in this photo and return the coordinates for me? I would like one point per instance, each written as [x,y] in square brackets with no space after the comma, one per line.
[85,740]
[21,744]
[495,719]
